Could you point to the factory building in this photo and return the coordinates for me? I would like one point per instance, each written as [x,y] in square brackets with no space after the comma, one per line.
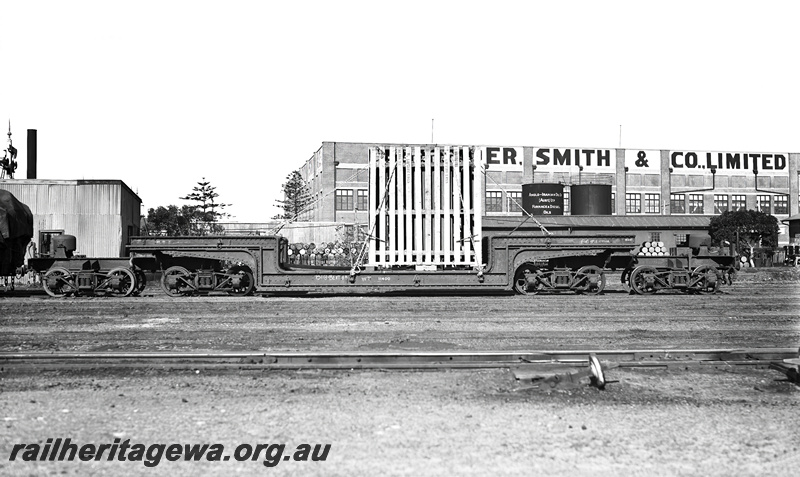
[681,186]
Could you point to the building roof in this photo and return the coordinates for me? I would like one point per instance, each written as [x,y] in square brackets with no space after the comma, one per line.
[791,219]
[692,222]
[73,182]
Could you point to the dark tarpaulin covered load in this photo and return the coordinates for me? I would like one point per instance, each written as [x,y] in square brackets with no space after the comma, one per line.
[16,230]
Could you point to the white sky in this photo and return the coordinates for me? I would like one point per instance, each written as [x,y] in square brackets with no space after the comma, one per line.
[162,93]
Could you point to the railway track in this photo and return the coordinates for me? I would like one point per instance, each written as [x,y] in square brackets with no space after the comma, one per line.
[653,358]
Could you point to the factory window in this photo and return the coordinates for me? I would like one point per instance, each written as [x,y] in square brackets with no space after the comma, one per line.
[362,199]
[633,203]
[566,202]
[720,203]
[655,236]
[494,201]
[738,202]
[762,203]
[781,204]
[677,203]
[652,203]
[344,199]
[680,240]
[695,203]
[514,201]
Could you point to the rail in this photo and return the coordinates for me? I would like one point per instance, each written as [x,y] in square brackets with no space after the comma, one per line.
[653,358]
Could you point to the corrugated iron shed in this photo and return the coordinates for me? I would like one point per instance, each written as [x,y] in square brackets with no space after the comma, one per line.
[101,214]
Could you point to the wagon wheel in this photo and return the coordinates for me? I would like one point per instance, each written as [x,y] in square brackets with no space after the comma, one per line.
[177,281]
[58,282]
[127,282]
[246,281]
[141,281]
[625,279]
[521,282]
[590,279]
[706,283]
[642,280]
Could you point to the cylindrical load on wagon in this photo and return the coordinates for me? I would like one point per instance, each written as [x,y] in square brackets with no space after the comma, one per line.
[543,199]
[590,199]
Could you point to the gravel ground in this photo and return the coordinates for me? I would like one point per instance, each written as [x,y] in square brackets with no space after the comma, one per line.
[737,422]
[457,422]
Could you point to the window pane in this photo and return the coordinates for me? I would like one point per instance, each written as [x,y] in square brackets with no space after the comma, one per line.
[362,200]
[696,204]
[763,203]
[344,199]
[655,236]
[720,204]
[781,204]
[494,201]
[652,203]
[633,203]
[514,201]
[677,203]
[738,202]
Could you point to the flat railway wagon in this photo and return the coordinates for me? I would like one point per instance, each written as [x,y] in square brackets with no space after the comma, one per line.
[522,264]
[241,265]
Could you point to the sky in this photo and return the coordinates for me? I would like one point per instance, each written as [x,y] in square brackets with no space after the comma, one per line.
[161,94]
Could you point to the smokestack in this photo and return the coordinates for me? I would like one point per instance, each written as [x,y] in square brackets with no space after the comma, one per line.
[31,154]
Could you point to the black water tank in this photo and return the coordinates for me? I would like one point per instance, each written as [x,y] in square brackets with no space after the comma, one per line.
[543,199]
[590,199]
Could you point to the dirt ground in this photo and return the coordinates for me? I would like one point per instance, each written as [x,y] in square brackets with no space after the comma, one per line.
[722,421]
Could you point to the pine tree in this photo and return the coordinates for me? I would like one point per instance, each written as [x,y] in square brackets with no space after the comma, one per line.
[207,213]
[296,197]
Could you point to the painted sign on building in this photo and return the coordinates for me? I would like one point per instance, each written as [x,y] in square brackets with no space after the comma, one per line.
[732,163]
[497,158]
[558,159]
[643,161]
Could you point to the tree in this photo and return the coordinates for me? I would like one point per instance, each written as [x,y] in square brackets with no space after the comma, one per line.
[745,228]
[170,220]
[296,197]
[206,214]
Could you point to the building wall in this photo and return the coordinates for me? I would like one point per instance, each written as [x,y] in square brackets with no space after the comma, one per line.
[295,232]
[342,167]
[101,214]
